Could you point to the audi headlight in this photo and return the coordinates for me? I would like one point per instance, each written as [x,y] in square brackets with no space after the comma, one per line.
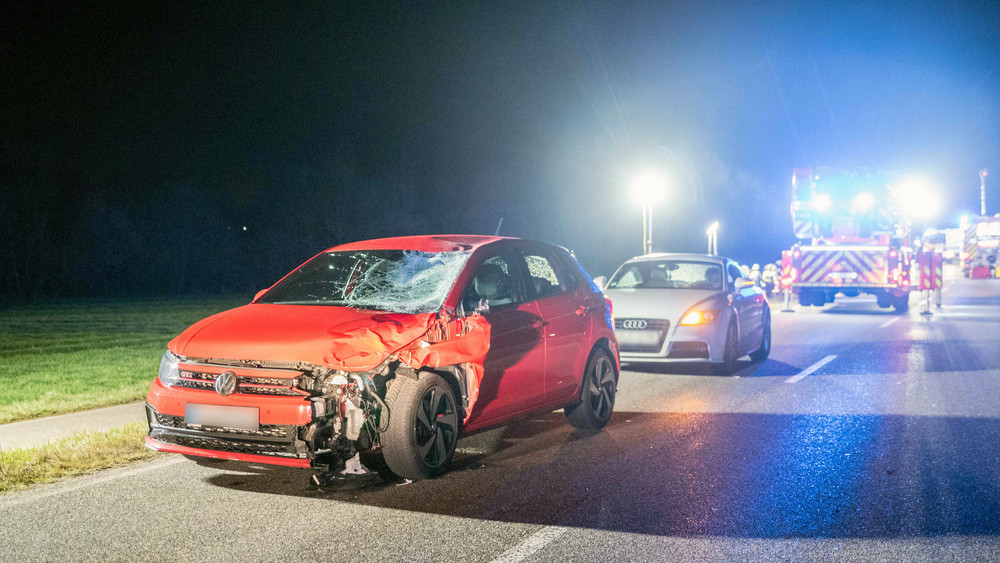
[700,318]
[169,373]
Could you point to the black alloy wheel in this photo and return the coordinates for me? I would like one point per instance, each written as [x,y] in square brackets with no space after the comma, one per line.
[423,426]
[600,383]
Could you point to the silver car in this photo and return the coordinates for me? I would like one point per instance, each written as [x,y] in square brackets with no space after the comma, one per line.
[688,308]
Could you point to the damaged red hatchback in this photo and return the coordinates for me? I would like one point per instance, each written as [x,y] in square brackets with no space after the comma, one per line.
[391,347]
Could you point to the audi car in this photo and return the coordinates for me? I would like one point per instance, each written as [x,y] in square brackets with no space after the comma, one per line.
[389,350]
[688,308]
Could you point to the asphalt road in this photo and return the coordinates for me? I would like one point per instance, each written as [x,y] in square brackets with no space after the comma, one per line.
[888,450]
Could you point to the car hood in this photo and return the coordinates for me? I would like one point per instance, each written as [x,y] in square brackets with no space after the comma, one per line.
[668,304]
[336,337]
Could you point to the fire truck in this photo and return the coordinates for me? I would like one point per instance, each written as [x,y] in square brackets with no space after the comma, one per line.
[979,253]
[851,240]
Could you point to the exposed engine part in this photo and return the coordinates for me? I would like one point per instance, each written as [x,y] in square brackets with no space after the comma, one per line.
[353,415]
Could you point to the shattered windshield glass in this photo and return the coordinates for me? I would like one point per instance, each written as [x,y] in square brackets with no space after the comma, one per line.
[400,281]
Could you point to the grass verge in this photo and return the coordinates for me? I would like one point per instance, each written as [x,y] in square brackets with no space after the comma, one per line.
[80,453]
[63,357]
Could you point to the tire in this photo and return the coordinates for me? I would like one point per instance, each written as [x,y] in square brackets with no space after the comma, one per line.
[423,426]
[761,353]
[901,305]
[600,382]
[729,356]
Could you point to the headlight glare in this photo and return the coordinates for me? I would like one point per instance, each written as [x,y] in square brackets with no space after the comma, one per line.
[699,318]
[170,373]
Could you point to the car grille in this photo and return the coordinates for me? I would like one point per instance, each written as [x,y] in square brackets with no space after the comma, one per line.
[642,325]
[683,350]
[279,449]
[274,386]
[269,430]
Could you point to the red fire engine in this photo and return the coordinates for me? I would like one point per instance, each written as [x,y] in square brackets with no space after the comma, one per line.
[851,240]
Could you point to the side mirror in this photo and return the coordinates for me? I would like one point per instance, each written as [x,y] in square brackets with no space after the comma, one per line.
[742,283]
[483,308]
[258,295]
[600,282]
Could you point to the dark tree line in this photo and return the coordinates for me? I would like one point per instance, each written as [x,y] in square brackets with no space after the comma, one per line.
[64,236]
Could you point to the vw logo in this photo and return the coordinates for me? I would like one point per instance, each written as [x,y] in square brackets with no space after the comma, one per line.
[225,384]
[637,324]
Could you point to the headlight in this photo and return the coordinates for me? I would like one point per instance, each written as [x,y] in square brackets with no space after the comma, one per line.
[699,318]
[169,373]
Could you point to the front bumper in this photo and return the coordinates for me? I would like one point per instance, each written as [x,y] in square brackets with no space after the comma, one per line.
[271,444]
[286,424]
[675,344]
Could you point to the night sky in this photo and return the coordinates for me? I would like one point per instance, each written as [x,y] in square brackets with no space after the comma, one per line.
[170,148]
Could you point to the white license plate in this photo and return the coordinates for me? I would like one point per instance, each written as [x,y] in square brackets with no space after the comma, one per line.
[638,337]
[245,418]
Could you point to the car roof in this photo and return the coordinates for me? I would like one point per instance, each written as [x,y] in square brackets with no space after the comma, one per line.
[678,256]
[424,243]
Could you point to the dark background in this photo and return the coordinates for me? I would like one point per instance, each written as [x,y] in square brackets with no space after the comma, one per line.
[169,148]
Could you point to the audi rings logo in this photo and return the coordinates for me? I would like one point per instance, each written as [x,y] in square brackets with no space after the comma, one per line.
[636,324]
[225,384]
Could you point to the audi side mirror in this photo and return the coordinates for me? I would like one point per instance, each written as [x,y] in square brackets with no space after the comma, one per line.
[600,282]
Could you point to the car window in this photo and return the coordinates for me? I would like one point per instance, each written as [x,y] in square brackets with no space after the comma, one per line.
[668,274]
[543,277]
[495,280]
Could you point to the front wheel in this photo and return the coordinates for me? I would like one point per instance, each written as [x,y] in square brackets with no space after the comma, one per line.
[423,426]
[729,355]
[600,383]
[761,353]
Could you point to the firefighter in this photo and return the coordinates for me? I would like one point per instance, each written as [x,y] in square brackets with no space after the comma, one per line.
[755,274]
[769,278]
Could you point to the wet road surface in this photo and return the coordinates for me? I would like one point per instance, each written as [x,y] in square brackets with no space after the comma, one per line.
[866,435]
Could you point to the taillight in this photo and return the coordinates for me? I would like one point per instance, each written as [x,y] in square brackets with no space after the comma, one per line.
[611,310]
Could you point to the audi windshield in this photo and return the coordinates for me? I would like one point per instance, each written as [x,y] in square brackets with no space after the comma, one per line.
[400,281]
[667,274]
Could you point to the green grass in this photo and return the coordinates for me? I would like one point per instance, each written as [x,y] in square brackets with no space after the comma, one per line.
[69,356]
[76,454]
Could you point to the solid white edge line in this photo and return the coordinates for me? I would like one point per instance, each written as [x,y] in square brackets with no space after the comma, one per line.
[530,545]
[39,492]
[889,322]
[801,375]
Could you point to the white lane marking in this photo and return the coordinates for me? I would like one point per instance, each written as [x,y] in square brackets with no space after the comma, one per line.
[530,545]
[32,496]
[889,322]
[801,375]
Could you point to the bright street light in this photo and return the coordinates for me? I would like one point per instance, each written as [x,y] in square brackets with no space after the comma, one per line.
[648,189]
[713,238]
[917,199]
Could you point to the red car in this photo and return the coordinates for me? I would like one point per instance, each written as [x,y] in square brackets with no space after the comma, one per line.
[395,346]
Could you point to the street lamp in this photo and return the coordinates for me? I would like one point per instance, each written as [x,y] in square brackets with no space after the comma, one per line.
[713,238]
[648,189]
[982,192]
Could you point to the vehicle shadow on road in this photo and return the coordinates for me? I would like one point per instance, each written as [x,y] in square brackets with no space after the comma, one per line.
[721,474]
[744,368]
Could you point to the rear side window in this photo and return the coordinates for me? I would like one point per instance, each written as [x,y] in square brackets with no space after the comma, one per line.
[543,276]
[734,272]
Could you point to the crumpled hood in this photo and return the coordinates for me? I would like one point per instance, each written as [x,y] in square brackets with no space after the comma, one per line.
[668,304]
[336,337]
